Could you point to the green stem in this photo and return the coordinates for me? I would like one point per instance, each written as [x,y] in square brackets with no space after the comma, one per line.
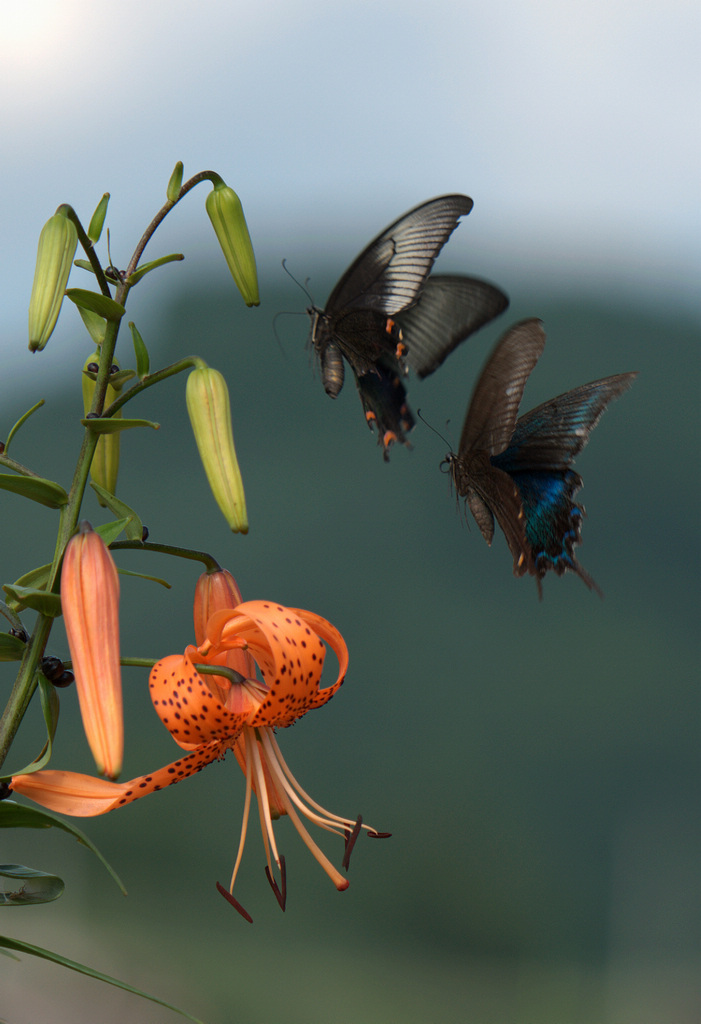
[210,563]
[89,251]
[162,213]
[150,380]
[231,674]
[25,683]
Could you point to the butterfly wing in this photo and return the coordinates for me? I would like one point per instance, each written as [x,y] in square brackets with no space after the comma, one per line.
[383,397]
[389,273]
[357,324]
[491,416]
[450,308]
[537,459]
[551,435]
[489,424]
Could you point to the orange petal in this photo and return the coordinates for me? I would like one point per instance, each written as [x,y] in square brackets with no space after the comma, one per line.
[186,705]
[90,604]
[84,796]
[333,638]
[289,650]
[70,792]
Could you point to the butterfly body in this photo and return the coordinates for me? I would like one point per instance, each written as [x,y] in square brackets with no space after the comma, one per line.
[386,297]
[519,471]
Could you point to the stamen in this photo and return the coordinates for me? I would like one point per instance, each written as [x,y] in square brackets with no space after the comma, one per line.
[280,896]
[345,823]
[261,790]
[379,835]
[244,824]
[338,880]
[351,839]
[287,783]
[235,903]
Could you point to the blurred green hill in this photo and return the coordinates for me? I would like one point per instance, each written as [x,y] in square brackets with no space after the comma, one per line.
[537,763]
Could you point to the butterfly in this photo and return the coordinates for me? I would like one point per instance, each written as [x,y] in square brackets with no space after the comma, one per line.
[518,470]
[387,314]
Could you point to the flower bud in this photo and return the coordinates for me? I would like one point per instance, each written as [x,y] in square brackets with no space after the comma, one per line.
[104,467]
[214,591]
[207,399]
[226,214]
[90,603]
[57,244]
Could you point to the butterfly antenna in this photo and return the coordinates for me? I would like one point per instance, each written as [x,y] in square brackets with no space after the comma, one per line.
[431,427]
[299,285]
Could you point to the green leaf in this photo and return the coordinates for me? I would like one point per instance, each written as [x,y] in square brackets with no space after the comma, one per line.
[84,265]
[141,352]
[98,219]
[96,325]
[134,528]
[36,886]
[34,580]
[46,954]
[35,577]
[46,492]
[14,815]
[110,531]
[111,425]
[20,421]
[20,598]
[96,303]
[146,268]
[50,710]
[11,647]
[145,576]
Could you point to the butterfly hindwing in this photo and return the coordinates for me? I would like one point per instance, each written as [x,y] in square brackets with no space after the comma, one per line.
[450,309]
[518,471]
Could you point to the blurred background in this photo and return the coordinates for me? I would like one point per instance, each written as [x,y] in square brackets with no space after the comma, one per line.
[536,762]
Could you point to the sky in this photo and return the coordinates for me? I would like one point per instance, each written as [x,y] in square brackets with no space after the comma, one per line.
[575,127]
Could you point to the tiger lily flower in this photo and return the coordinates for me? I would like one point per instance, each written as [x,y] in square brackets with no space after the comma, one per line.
[209,714]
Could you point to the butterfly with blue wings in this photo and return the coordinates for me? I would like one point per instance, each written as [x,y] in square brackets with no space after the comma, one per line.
[518,470]
[386,314]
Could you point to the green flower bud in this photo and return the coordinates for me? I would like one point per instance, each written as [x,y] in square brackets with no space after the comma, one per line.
[105,464]
[226,214]
[57,244]
[207,399]
[175,183]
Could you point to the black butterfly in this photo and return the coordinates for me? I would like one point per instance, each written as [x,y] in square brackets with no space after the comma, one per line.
[386,313]
[518,470]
